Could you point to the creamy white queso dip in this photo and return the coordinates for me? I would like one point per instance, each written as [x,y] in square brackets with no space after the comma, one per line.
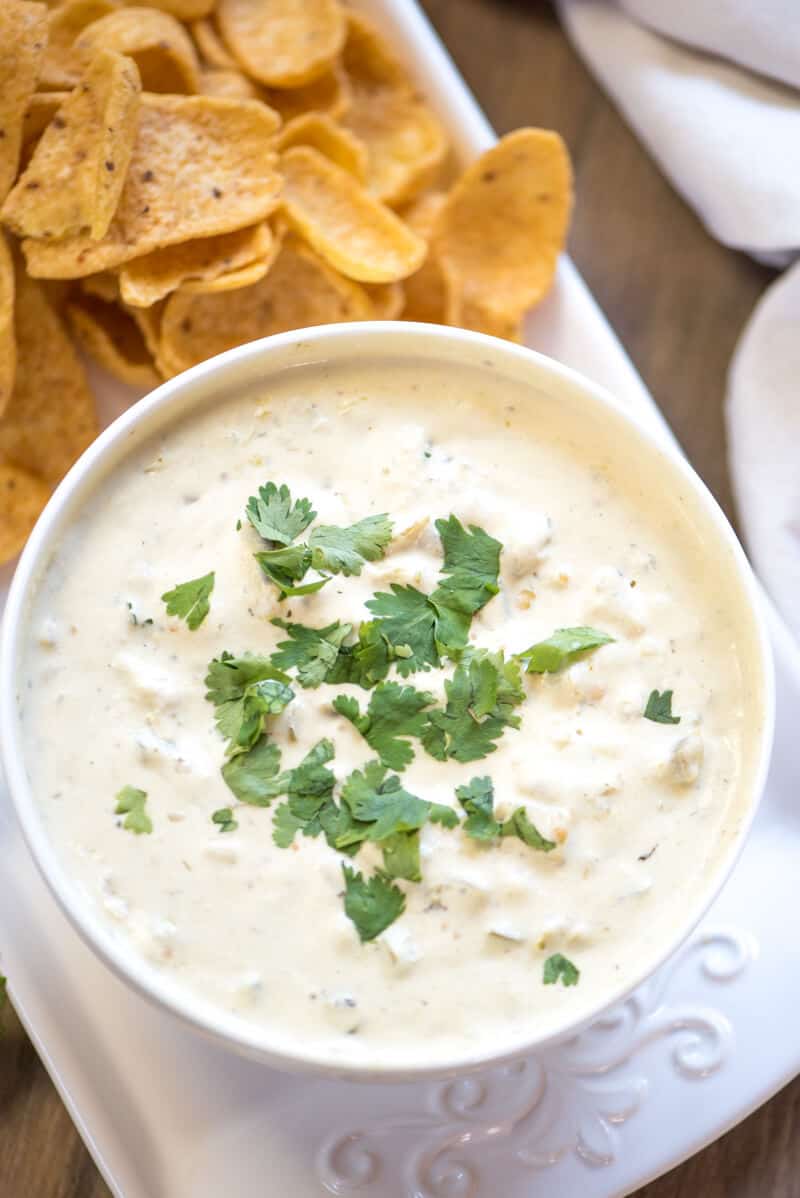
[642,811]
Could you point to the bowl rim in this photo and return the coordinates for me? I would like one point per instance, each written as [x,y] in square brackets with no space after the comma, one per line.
[185,391]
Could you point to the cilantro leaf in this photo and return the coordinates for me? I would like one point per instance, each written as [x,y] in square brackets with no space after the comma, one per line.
[659,708]
[407,619]
[130,803]
[228,677]
[309,787]
[286,567]
[562,648]
[344,550]
[394,711]
[481,697]
[261,699]
[224,818]
[382,802]
[285,826]
[371,905]
[274,516]
[471,565]
[401,856]
[314,652]
[477,799]
[520,826]
[189,600]
[235,687]
[558,967]
[254,776]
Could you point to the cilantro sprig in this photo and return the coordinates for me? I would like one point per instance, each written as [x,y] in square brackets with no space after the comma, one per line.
[394,713]
[223,818]
[558,968]
[274,516]
[560,649]
[245,691]
[659,708]
[190,600]
[131,803]
[477,799]
[345,550]
[481,697]
[372,904]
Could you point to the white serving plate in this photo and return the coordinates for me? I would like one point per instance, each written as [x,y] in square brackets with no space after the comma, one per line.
[166,1114]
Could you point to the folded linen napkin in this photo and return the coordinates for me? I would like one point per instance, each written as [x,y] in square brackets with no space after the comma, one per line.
[712,87]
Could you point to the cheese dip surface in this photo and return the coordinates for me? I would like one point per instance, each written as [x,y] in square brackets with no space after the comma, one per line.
[583,837]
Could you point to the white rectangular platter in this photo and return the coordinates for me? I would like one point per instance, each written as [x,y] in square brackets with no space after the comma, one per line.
[167,1115]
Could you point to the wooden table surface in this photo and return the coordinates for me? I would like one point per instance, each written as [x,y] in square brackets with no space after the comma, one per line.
[678,301]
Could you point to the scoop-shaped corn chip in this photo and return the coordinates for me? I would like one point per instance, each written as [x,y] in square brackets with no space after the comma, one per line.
[75,177]
[387,299]
[406,143]
[299,290]
[42,107]
[211,46]
[145,280]
[8,342]
[113,339]
[51,418]
[23,36]
[22,498]
[184,10]
[62,65]
[218,81]
[283,43]
[347,226]
[502,227]
[104,286]
[330,93]
[201,165]
[148,322]
[232,280]
[321,132]
[158,44]
[425,293]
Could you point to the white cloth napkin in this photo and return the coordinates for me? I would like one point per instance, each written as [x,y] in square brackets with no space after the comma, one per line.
[712,87]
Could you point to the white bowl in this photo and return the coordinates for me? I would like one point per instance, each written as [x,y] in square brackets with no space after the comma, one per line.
[251,366]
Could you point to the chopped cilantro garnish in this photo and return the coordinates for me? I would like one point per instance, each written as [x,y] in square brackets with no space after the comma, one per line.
[274,516]
[420,627]
[314,652]
[481,697]
[520,826]
[562,648]
[286,567]
[224,818]
[367,661]
[189,600]
[386,807]
[344,550]
[477,799]
[394,712]
[254,776]
[261,699]
[407,619]
[372,905]
[285,826]
[560,968]
[471,565]
[131,803]
[236,688]
[401,856]
[309,789]
[228,677]
[659,708]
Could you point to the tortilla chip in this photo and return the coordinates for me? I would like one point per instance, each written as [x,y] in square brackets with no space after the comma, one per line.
[23,36]
[319,131]
[183,10]
[8,344]
[148,322]
[158,44]
[62,66]
[211,46]
[22,499]
[330,93]
[201,165]
[145,280]
[51,418]
[387,299]
[501,229]
[300,290]
[232,280]
[225,82]
[75,177]
[425,291]
[283,43]
[104,286]
[113,339]
[405,142]
[345,224]
[42,107]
